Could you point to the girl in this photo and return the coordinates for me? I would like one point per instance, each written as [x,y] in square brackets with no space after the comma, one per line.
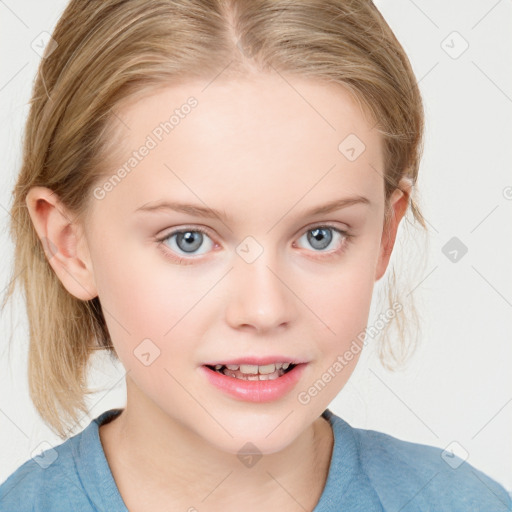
[209,191]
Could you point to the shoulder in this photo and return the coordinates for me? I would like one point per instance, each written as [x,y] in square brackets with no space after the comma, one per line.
[43,482]
[412,476]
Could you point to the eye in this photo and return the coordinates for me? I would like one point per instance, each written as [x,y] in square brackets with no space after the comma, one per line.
[186,242]
[321,237]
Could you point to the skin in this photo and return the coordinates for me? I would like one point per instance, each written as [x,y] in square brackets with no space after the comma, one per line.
[243,151]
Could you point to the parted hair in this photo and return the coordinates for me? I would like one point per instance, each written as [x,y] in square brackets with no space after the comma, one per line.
[107,52]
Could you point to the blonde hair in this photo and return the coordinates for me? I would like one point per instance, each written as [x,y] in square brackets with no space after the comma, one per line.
[112,51]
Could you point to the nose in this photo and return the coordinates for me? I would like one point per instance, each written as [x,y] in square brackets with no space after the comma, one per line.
[260,297]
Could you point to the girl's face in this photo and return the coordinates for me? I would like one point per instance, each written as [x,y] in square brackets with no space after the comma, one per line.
[265,277]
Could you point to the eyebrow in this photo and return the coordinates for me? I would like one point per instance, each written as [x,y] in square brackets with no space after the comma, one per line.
[201,211]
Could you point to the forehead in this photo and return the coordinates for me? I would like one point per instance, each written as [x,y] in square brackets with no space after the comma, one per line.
[266,136]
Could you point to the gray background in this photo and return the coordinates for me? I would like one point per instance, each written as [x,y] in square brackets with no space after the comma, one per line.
[457,388]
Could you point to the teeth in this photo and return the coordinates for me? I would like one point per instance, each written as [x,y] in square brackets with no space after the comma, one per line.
[271,376]
[249,368]
[253,369]
[268,368]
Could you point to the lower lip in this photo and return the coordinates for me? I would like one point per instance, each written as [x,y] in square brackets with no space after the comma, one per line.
[255,390]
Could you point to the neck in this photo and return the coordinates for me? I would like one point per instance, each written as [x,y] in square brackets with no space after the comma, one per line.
[174,465]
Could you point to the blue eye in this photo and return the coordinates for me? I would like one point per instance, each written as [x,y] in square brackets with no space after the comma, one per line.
[320,237]
[186,240]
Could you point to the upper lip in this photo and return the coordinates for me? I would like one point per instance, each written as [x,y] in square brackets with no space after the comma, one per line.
[259,361]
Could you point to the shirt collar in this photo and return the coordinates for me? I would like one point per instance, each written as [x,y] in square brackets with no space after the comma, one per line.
[347,485]
[93,468]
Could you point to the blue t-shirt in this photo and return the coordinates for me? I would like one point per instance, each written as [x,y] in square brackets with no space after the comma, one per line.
[369,471]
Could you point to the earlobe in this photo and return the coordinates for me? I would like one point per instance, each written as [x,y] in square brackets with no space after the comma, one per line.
[399,201]
[63,241]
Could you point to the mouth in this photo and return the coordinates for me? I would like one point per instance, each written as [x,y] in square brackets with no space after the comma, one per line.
[270,371]
[263,382]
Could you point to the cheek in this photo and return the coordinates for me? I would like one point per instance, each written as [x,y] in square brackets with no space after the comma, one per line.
[342,296]
[344,309]
[145,298]
[343,306]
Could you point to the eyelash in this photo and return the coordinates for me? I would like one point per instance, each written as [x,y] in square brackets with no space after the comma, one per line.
[347,239]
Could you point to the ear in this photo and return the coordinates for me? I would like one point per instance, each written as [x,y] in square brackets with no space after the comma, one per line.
[399,201]
[63,241]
